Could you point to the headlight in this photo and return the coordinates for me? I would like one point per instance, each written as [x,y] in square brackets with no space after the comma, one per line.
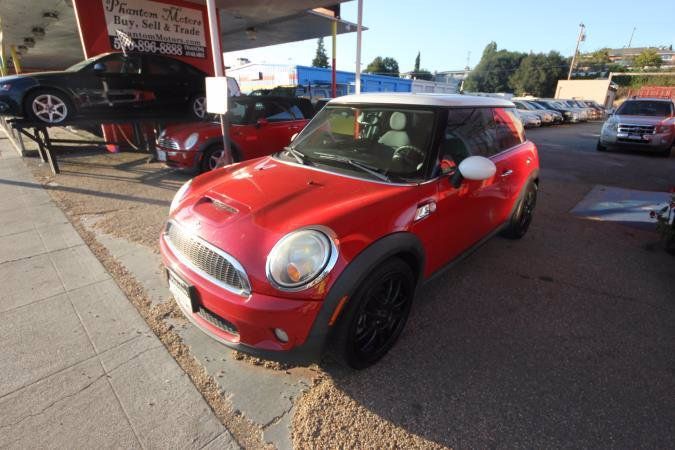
[5,87]
[191,141]
[300,259]
[179,196]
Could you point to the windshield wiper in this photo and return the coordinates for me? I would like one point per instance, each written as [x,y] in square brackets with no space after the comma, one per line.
[298,155]
[374,171]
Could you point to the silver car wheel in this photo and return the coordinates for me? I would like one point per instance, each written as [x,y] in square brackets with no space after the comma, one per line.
[49,108]
[199,107]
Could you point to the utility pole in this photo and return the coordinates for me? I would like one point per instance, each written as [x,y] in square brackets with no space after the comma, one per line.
[630,41]
[582,37]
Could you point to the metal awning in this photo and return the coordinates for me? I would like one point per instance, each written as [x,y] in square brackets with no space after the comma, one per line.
[244,24]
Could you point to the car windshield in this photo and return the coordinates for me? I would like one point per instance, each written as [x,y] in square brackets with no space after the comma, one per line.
[82,64]
[645,108]
[536,105]
[389,143]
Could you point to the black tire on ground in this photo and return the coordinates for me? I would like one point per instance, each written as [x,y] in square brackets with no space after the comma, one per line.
[198,107]
[522,216]
[48,106]
[211,155]
[600,147]
[665,153]
[375,315]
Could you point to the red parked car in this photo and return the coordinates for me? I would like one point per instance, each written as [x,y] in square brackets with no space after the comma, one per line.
[327,241]
[259,126]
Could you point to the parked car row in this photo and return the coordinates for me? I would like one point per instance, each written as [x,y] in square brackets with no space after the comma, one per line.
[536,112]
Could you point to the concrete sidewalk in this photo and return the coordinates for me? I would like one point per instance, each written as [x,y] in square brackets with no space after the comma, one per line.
[79,367]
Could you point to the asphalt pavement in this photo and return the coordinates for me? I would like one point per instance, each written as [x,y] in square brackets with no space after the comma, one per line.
[564,339]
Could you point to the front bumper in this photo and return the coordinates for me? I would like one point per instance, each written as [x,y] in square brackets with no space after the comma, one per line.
[9,107]
[179,159]
[655,142]
[247,323]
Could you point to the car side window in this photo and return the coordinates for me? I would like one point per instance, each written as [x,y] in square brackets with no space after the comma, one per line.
[469,132]
[275,112]
[118,64]
[509,128]
[158,66]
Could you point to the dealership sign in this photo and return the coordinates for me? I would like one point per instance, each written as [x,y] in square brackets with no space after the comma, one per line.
[156,27]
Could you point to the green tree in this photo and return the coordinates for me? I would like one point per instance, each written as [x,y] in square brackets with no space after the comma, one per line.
[424,74]
[538,74]
[596,61]
[494,70]
[417,63]
[648,58]
[383,66]
[320,59]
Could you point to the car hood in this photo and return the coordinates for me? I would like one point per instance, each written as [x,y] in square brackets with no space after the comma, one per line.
[244,209]
[639,120]
[277,196]
[183,130]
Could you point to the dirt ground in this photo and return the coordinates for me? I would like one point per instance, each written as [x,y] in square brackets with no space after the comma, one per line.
[130,197]
[561,339]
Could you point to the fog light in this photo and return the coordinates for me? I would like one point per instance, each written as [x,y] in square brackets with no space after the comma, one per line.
[281,335]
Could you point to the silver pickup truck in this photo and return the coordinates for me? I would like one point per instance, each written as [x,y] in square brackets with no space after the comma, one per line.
[641,124]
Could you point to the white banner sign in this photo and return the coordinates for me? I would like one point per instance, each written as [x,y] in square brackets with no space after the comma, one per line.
[156,27]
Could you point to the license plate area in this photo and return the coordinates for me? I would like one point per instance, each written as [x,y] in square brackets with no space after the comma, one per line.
[161,155]
[183,292]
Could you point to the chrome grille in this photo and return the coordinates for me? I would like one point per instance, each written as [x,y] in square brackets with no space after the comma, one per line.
[211,262]
[636,129]
[168,143]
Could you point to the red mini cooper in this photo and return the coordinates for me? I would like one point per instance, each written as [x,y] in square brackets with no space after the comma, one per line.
[259,126]
[325,243]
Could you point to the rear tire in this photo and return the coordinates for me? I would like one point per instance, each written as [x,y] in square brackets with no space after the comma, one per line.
[522,216]
[212,154]
[375,315]
[48,106]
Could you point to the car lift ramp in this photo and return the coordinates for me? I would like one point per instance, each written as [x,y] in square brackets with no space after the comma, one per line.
[38,132]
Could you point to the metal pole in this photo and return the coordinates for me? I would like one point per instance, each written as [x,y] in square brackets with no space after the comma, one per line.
[16,60]
[359,22]
[219,71]
[576,50]
[333,80]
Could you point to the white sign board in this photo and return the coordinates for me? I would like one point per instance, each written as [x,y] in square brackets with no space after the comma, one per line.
[216,95]
[156,27]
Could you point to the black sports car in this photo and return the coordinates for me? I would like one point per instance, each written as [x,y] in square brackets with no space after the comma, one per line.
[106,86]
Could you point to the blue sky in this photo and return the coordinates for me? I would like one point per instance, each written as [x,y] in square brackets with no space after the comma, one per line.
[446,30]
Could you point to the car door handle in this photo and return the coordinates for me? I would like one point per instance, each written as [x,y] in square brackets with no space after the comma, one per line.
[506,173]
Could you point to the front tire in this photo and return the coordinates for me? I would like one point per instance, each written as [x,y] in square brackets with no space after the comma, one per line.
[212,156]
[522,216]
[601,148]
[376,315]
[48,106]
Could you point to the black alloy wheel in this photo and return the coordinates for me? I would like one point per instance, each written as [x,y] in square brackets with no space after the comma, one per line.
[376,314]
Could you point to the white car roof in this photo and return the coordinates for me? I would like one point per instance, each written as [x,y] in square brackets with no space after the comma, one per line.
[408,98]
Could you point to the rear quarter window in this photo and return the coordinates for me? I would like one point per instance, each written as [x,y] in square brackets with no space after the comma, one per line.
[509,128]
[471,132]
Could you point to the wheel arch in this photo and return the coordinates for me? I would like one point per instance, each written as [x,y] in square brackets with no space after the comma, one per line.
[403,245]
[42,87]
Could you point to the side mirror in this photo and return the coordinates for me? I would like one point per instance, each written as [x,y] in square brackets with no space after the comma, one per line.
[261,122]
[99,68]
[611,111]
[477,168]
